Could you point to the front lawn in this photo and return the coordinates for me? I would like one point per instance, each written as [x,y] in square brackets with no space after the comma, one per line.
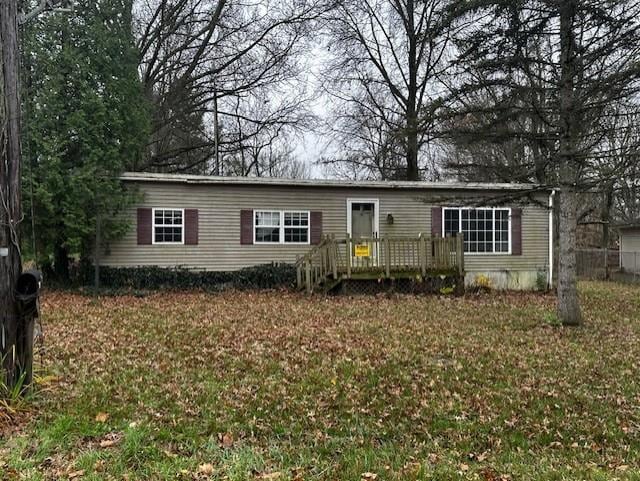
[282,386]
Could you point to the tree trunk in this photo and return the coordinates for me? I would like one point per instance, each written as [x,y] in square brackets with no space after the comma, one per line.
[413,173]
[10,212]
[568,303]
[569,118]
[61,263]
[412,149]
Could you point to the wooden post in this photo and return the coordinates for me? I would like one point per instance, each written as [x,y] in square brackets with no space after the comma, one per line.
[10,176]
[307,267]
[387,255]
[348,245]
[460,253]
[298,272]
[334,255]
[423,256]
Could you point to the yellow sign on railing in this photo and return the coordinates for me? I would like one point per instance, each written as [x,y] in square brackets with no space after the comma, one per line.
[363,250]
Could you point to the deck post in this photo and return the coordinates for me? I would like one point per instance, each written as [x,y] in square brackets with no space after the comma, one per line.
[348,255]
[387,255]
[298,272]
[307,266]
[460,253]
[422,251]
[334,256]
[436,253]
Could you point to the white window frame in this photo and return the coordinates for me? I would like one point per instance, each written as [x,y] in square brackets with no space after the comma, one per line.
[154,225]
[282,226]
[494,253]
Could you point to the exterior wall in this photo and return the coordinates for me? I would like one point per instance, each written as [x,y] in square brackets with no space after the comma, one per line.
[630,249]
[219,245]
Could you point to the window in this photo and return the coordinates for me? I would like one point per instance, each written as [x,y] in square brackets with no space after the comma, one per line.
[281,227]
[296,227]
[486,231]
[268,227]
[168,226]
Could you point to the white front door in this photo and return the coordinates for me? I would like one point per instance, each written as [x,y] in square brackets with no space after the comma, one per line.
[362,226]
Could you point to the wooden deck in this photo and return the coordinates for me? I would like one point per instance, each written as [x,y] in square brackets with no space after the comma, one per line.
[335,260]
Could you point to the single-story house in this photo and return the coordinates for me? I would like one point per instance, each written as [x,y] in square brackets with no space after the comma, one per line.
[228,223]
[630,246]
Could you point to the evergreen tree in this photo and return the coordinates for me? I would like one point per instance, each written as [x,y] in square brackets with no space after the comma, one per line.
[86,121]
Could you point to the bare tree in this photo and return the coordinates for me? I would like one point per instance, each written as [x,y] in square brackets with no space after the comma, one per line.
[201,57]
[559,65]
[386,60]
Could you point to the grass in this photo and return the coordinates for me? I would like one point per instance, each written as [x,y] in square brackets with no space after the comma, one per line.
[280,386]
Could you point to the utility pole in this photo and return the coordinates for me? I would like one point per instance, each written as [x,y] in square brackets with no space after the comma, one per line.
[10,186]
[10,202]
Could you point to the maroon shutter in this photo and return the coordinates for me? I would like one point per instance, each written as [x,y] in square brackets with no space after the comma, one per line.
[436,221]
[191,227]
[246,227]
[145,235]
[516,232]
[316,227]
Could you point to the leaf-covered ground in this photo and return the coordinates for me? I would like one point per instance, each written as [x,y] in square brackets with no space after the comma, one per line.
[284,386]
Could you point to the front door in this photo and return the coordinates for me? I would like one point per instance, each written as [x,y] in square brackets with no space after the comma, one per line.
[362,220]
[363,228]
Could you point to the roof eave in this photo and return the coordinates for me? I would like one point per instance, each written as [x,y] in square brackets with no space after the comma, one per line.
[265,181]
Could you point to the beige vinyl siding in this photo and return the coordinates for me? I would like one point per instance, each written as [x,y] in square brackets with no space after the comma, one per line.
[219,209]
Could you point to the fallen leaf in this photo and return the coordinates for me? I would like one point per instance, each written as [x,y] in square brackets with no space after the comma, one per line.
[225,439]
[368,476]
[102,417]
[271,476]
[107,443]
[76,474]
[206,468]
[110,440]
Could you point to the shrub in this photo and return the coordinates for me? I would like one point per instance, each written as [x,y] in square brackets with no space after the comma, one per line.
[268,276]
[482,283]
[541,281]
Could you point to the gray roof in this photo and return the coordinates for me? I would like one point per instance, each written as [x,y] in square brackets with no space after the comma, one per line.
[372,184]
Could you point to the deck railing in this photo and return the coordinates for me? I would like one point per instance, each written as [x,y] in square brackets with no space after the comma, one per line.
[382,257]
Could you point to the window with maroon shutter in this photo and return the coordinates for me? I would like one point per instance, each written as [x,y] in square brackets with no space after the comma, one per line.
[191,226]
[280,227]
[144,226]
[168,226]
[485,229]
